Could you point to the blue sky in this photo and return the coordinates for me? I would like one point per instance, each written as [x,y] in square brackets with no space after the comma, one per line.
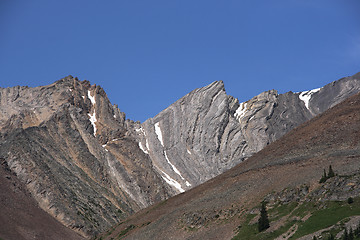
[147,54]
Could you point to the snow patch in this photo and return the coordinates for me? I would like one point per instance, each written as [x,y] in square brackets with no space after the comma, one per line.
[240,112]
[142,148]
[306,96]
[188,151]
[175,169]
[172,182]
[92,99]
[114,116]
[158,133]
[83,97]
[105,146]
[173,166]
[146,141]
[93,121]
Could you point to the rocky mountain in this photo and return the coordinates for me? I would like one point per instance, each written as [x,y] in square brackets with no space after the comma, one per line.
[286,174]
[89,168]
[207,131]
[69,146]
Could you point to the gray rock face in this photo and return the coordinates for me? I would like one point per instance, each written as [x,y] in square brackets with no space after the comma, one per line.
[207,132]
[68,144]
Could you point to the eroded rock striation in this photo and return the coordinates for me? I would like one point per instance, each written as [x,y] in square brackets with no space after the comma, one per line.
[70,147]
[207,131]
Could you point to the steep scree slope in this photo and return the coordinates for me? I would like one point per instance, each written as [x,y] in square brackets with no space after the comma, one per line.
[31,222]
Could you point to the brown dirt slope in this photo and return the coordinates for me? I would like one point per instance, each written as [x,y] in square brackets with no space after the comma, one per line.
[213,210]
[21,217]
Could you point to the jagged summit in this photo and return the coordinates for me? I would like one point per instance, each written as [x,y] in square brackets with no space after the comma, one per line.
[79,161]
[216,86]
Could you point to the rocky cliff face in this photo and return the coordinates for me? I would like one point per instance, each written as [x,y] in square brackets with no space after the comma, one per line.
[286,171]
[90,168]
[68,144]
[207,131]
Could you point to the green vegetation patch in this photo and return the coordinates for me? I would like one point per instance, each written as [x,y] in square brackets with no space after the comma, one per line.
[323,215]
[332,213]
[280,211]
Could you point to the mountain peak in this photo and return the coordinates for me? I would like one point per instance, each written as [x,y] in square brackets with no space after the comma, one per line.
[214,86]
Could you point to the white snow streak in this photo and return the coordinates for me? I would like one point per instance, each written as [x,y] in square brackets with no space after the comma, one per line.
[83,97]
[306,96]
[92,116]
[104,147]
[158,133]
[146,141]
[188,151]
[240,112]
[172,166]
[175,169]
[93,121]
[92,99]
[172,182]
[142,148]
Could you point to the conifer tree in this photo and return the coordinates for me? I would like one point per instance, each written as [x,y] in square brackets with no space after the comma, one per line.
[314,238]
[323,178]
[351,234]
[331,237]
[263,222]
[331,172]
[357,231]
[345,236]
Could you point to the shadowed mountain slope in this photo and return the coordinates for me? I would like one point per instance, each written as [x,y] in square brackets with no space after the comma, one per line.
[332,138]
[31,222]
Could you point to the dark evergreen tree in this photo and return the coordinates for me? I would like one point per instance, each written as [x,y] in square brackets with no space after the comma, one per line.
[345,235]
[331,237]
[263,222]
[350,200]
[351,234]
[357,231]
[331,172]
[314,238]
[323,178]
